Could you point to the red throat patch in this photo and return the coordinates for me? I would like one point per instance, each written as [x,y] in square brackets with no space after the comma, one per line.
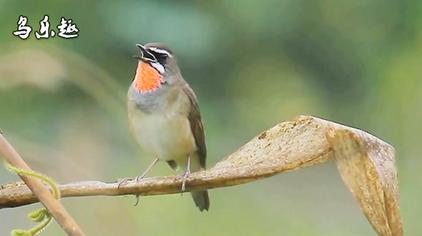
[147,79]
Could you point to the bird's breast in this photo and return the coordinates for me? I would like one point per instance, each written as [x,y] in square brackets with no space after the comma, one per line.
[165,134]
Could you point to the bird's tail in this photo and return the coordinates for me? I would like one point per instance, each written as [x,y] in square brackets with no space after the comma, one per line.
[201,200]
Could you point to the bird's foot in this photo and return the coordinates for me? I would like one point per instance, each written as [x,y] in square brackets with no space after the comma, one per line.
[123,181]
[137,200]
[184,177]
[126,180]
[139,178]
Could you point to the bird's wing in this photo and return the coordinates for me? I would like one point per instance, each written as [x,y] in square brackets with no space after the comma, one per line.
[196,125]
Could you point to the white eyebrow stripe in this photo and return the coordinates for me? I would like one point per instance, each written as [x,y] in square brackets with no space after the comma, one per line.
[159,50]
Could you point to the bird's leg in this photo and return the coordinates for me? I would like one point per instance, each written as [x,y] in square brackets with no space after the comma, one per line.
[138,178]
[186,175]
[147,170]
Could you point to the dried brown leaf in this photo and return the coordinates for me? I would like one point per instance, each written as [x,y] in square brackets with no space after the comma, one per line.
[366,166]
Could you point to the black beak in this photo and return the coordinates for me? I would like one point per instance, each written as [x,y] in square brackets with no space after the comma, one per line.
[145,55]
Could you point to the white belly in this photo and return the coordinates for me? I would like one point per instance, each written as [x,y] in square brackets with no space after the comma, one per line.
[165,136]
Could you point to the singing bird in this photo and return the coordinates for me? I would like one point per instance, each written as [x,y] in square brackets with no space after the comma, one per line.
[164,115]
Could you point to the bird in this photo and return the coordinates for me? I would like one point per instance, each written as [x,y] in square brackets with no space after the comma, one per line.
[164,116]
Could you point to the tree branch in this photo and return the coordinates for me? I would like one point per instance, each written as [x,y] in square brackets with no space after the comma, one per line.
[39,190]
[365,163]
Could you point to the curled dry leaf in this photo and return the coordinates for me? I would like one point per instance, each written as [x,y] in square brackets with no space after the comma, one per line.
[366,165]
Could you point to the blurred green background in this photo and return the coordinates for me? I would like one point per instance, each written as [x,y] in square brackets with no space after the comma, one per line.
[252,64]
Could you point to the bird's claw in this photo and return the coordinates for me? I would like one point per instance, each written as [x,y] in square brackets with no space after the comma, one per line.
[126,180]
[185,176]
[139,178]
[137,200]
[123,181]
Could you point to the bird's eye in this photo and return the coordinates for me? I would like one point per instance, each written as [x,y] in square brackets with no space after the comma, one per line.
[161,58]
[160,54]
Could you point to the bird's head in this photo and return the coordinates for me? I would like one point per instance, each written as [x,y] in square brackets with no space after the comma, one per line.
[156,66]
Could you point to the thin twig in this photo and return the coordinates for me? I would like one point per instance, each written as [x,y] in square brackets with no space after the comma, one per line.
[62,217]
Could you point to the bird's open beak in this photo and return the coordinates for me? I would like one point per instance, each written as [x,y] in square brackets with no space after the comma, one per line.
[145,55]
